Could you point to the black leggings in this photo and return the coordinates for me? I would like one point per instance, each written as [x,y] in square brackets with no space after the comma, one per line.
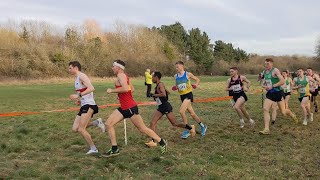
[148,90]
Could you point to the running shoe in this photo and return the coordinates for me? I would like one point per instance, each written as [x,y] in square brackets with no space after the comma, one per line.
[252,123]
[305,122]
[203,130]
[265,132]
[311,117]
[185,134]
[101,125]
[164,148]
[241,123]
[92,151]
[111,153]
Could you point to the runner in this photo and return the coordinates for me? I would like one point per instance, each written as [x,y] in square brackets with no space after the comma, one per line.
[272,83]
[314,88]
[164,107]
[302,84]
[88,108]
[235,84]
[184,87]
[128,109]
[287,88]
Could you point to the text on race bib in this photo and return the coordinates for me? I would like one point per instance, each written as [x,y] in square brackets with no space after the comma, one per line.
[302,90]
[268,82]
[182,86]
[236,88]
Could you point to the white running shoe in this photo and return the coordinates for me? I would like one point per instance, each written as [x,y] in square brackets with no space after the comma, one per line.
[311,117]
[92,151]
[241,123]
[252,122]
[101,125]
[305,122]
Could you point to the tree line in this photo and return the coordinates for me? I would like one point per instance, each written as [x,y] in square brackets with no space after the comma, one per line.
[33,49]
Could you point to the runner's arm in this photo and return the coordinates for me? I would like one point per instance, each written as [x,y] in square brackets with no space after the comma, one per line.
[87,83]
[281,79]
[227,85]
[190,75]
[294,87]
[162,91]
[245,79]
[123,82]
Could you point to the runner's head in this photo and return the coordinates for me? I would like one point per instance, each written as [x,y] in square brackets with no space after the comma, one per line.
[268,63]
[118,66]
[156,76]
[233,71]
[285,74]
[179,66]
[300,72]
[309,71]
[74,67]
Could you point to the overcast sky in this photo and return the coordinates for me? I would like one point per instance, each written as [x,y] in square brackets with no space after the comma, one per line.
[276,27]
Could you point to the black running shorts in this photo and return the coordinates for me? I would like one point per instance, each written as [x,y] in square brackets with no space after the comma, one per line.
[236,96]
[128,113]
[300,99]
[276,96]
[85,108]
[187,96]
[165,108]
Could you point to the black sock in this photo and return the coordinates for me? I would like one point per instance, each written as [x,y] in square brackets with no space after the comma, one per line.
[114,148]
[188,127]
[162,142]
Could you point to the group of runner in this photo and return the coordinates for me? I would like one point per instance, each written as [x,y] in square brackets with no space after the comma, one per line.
[278,86]
[129,109]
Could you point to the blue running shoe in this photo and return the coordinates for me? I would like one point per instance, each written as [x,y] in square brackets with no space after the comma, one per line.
[203,130]
[185,134]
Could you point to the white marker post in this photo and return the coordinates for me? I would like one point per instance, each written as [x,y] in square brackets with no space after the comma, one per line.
[125,132]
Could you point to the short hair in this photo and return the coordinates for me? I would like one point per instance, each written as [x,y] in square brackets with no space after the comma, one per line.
[234,68]
[75,64]
[157,74]
[300,69]
[285,71]
[120,62]
[269,60]
[309,68]
[180,62]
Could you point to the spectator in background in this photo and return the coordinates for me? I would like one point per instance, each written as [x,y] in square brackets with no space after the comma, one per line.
[148,82]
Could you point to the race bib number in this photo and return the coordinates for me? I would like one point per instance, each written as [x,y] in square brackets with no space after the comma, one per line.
[158,101]
[236,88]
[302,90]
[268,82]
[182,87]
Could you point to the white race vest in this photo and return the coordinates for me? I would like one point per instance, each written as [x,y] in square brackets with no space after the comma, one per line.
[86,99]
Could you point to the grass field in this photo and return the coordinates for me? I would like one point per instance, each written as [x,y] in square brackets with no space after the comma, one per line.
[44,147]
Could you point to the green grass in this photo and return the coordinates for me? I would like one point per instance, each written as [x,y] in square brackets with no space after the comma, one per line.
[44,147]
